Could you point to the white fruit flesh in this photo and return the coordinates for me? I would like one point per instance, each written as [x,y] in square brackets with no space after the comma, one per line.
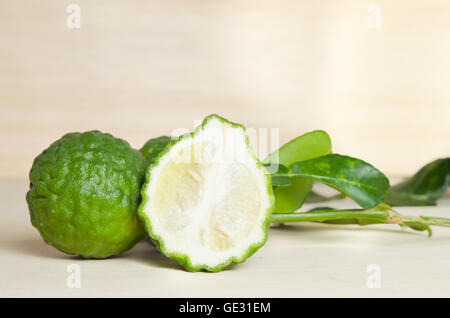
[208,197]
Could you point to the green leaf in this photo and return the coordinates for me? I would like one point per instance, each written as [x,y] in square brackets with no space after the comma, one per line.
[321,208]
[290,197]
[357,179]
[313,144]
[424,188]
[315,197]
[279,179]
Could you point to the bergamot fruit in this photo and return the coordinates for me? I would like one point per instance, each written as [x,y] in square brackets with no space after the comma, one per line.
[84,193]
[154,146]
[207,199]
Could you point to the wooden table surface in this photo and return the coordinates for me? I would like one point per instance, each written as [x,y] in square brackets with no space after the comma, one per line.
[302,260]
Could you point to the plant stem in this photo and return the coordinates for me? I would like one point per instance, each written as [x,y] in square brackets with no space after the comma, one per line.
[329,215]
[380,214]
[428,220]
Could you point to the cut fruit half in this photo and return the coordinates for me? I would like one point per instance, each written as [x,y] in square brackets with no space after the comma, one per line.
[207,199]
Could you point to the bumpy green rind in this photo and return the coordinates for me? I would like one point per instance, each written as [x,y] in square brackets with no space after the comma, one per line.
[154,146]
[84,193]
[184,259]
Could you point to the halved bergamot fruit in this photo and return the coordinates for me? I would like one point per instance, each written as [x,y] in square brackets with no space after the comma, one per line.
[207,199]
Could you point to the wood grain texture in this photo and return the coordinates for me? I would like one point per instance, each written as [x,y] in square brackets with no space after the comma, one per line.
[304,260]
[139,69]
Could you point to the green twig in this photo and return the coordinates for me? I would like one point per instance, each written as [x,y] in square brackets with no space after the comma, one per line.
[380,214]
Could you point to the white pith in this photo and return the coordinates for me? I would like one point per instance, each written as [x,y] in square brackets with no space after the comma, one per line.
[210,206]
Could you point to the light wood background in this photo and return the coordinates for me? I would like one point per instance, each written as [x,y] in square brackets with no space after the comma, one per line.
[139,69]
[298,260]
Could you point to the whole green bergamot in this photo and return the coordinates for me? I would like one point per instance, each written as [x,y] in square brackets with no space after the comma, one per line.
[84,193]
[154,146]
